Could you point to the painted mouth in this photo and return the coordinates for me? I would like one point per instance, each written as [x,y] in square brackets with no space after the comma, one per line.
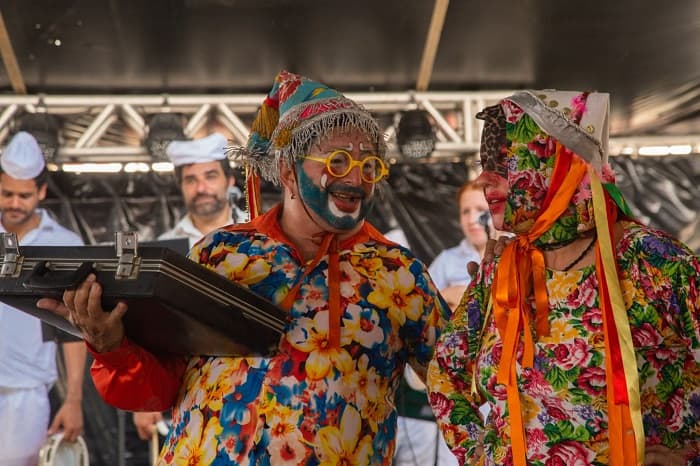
[495,199]
[345,199]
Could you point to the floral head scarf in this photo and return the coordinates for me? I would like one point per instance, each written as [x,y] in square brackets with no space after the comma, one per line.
[518,148]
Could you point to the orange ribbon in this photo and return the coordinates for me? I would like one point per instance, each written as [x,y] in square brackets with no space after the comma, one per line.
[329,245]
[253,197]
[521,271]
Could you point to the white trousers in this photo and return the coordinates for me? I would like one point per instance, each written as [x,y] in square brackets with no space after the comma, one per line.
[24,420]
[416,441]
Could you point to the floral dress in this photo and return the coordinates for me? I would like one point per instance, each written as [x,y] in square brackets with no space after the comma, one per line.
[563,396]
[309,403]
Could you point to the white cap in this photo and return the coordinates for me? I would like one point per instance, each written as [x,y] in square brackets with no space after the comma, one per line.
[22,159]
[207,149]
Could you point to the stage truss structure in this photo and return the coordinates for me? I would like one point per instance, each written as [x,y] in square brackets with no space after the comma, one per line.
[113,128]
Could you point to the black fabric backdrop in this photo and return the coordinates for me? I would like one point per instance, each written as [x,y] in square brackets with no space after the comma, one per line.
[419,198]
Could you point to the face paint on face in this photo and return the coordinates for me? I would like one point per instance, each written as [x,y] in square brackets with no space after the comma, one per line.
[341,206]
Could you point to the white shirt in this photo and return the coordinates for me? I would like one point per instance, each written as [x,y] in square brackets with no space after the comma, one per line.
[186,229]
[26,361]
[449,268]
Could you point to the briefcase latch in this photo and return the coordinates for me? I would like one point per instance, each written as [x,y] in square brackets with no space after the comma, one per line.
[11,259]
[129,261]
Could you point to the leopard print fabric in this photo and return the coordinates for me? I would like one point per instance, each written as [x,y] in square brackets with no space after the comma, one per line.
[493,140]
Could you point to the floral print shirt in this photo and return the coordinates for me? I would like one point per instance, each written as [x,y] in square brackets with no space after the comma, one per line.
[563,396]
[308,403]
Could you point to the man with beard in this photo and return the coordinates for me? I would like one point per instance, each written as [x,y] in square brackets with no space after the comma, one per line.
[27,353]
[206,180]
[360,307]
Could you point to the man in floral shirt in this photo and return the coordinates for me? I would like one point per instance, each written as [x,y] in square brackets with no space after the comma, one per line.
[360,307]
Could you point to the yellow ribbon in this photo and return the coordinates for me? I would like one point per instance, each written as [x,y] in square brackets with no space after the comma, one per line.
[618,417]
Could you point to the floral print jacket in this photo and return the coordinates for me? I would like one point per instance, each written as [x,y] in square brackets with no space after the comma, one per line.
[563,395]
[308,403]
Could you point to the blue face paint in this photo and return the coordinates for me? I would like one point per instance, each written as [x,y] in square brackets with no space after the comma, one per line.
[319,201]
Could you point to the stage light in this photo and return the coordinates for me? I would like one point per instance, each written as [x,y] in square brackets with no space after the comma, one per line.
[163,128]
[44,127]
[415,135]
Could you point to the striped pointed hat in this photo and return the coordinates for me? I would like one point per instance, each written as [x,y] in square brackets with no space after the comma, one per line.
[297,113]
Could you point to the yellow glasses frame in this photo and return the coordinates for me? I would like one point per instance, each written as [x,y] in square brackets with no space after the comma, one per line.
[352,163]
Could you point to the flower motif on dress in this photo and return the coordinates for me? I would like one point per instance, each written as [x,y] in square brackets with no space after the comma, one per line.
[191,449]
[286,445]
[349,281]
[570,355]
[313,294]
[238,267]
[646,336]
[569,453]
[366,265]
[592,320]
[592,381]
[345,445]
[365,380]
[395,292]
[363,325]
[311,336]
[559,330]
[237,405]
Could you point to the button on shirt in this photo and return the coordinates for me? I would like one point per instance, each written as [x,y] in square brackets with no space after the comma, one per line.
[449,268]
[26,360]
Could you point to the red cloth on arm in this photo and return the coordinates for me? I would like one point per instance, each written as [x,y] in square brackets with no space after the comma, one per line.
[133,379]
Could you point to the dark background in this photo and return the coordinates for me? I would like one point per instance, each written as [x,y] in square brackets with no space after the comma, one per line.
[643,52]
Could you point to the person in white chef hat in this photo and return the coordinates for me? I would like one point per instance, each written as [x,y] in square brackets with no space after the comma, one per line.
[27,352]
[208,187]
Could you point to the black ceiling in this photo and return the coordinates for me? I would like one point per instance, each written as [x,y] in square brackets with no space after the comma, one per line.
[644,52]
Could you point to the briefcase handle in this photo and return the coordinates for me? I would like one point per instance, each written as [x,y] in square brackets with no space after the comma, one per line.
[43,278]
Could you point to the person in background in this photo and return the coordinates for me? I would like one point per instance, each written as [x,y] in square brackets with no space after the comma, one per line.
[449,272]
[27,352]
[206,180]
[583,336]
[449,269]
[360,307]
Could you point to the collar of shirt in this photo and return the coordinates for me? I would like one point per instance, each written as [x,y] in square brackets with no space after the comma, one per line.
[268,224]
[468,250]
[46,225]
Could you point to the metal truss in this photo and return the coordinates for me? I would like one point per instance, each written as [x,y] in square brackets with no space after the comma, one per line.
[112,128]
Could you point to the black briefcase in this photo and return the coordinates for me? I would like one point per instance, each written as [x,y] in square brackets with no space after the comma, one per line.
[175,305]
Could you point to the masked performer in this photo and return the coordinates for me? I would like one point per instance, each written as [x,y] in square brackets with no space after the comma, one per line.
[583,337]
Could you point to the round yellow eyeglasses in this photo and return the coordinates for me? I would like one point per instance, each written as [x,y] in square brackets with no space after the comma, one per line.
[340,162]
